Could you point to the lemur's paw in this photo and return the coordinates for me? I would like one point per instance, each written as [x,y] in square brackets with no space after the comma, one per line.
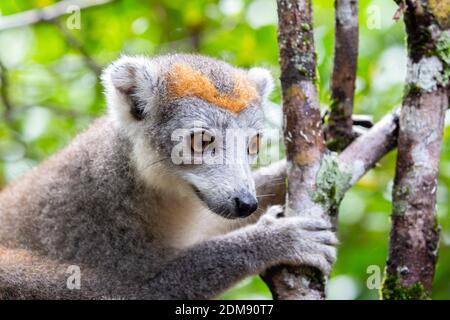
[274,212]
[277,212]
[309,242]
[302,241]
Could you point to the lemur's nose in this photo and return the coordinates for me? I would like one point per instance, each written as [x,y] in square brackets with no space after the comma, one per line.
[246,204]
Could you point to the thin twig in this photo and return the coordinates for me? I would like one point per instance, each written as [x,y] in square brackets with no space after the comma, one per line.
[46,14]
[339,131]
[75,43]
[56,110]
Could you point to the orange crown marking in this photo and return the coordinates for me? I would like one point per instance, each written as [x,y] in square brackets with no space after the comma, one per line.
[184,81]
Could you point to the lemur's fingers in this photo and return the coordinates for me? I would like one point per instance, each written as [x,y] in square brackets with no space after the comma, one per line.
[312,254]
[311,224]
[319,262]
[305,223]
[274,212]
[302,241]
[323,244]
[324,237]
[329,252]
[321,257]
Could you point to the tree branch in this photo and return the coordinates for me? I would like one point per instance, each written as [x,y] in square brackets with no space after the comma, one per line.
[56,111]
[415,232]
[339,133]
[366,150]
[46,14]
[359,157]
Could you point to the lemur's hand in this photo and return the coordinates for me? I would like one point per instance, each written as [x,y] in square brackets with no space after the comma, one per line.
[298,240]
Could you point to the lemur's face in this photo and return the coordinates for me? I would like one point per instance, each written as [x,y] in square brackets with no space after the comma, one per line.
[202,120]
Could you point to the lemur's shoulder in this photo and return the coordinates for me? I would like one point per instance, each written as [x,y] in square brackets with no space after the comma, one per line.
[84,178]
[101,139]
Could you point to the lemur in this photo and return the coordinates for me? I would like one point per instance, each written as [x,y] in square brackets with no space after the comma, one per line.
[138,225]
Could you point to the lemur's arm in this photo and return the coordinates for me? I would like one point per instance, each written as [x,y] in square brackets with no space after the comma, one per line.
[209,268]
[200,272]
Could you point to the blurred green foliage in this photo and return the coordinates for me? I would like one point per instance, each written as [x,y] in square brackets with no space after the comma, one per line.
[54,95]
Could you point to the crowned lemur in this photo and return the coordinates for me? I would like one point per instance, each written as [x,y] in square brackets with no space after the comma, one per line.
[135,222]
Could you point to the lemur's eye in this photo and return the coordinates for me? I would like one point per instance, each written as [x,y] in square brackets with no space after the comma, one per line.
[254,145]
[200,141]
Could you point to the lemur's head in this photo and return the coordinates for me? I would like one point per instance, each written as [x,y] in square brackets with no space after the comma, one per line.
[195,124]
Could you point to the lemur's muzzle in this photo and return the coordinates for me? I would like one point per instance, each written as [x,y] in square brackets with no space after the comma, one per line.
[245,204]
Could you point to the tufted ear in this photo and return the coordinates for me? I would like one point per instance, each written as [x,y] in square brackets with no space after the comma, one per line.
[263,80]
[130,84]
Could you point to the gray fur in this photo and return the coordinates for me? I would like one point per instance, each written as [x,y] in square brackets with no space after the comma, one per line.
[114,204]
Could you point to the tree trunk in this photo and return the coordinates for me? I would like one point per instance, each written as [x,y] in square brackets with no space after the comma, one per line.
[303,138]
[415,231]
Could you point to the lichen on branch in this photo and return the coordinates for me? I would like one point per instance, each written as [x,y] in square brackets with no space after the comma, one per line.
[443,52]
[333,180]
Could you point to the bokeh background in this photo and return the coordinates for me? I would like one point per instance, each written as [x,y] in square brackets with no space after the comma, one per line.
[50,91]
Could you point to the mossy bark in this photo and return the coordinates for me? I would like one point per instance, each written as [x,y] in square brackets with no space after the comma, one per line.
[415,233]
[393,290]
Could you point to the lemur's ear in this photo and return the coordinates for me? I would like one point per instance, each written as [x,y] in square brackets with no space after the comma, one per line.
[263,80]
[130,87]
